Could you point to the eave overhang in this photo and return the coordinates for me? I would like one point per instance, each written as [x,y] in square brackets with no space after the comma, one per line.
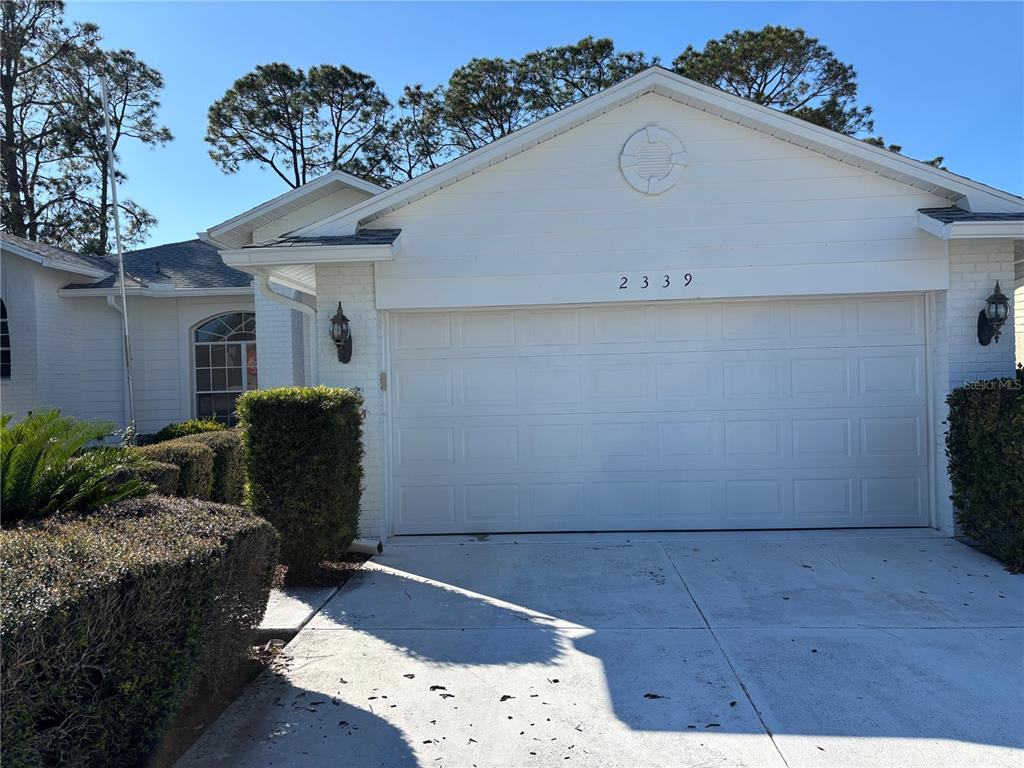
[971,230]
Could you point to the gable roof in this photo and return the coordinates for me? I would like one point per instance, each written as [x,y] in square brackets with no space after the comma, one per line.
[959,190]
[234,232]
[188,265]
[54,257]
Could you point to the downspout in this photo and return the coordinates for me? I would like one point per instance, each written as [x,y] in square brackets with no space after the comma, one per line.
[127,412]
[263,282]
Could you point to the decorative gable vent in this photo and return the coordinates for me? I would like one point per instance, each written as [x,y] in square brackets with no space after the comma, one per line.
[652,160]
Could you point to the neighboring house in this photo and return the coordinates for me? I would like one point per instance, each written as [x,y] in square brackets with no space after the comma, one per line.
[194,338]
[63,332]
[664,307]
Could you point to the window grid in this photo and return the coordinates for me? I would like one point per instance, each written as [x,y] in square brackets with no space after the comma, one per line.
[5,343]
[225,364]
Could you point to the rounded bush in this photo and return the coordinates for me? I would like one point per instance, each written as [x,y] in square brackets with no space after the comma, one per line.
[195,461]
[190,427]
[228,470]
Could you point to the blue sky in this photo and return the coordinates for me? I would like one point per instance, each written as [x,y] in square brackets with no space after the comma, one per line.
[943,78]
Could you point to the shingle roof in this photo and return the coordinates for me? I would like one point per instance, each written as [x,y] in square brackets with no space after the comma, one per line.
[188,264]
[953,214]
[362,237]
[57,255]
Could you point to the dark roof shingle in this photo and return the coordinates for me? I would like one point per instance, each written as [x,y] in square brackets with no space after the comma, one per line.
[953,214]
[188,264]
[56,254]
[362,237]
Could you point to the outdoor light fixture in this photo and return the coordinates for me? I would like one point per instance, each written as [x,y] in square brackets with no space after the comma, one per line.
[341,335]
[992,317]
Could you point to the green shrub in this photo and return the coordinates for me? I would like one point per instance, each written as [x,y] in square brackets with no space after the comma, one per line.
[985,447]
[47,467]
[190,427]
[107,620]
[228,471]
[195,461]
[303,462]
[162,475]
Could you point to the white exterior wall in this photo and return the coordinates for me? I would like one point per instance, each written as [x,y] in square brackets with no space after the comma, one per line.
[749,216]
[17,278]
[352,285]
[67,351]
[1018,294]
[958,358]
[280,341]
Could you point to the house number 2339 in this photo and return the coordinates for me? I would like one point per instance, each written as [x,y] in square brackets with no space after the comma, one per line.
[656,281]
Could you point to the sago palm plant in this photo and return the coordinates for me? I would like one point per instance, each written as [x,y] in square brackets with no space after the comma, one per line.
[47,467]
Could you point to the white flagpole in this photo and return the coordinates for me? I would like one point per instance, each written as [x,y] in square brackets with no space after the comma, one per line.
[120,260]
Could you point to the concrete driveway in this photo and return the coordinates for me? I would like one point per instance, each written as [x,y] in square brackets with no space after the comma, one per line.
[846,649]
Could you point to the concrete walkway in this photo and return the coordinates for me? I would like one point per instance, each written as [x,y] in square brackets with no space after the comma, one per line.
[845,649]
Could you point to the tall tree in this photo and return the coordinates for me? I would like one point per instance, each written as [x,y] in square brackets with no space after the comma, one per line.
[785,69]
[485,100]
[489,98]
[415,139]
[32,37]
[296,124]
[560,76]
[133,102]
[54,163]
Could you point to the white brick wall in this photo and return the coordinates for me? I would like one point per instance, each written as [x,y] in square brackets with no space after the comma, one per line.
[958,358]
[352,285]
[1018,298]
[279,341]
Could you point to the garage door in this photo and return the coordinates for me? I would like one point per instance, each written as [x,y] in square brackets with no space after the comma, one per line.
[660,416]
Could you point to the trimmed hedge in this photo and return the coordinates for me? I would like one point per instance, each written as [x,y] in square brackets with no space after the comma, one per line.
[108,619]
[303,460]
[228,470]
[163,475]
[190,427]
[195,460]
[985,447]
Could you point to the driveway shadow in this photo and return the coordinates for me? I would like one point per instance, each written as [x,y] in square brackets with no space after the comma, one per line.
[276,722]
[403,607]
[428,652]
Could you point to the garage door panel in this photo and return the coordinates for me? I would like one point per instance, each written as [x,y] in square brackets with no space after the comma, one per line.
[802,413]
[662,326]
[679,440]
[584,383]
[662,501]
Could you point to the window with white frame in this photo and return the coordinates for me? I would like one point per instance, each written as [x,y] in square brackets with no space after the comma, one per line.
[5,343]
[225,364]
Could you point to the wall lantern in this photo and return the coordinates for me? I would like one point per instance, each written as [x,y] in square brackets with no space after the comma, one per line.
[341,335]
[992,317]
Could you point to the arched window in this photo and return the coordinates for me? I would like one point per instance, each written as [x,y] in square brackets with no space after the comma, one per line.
[225,361]
[5,343]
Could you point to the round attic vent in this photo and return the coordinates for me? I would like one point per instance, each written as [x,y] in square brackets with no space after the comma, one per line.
[652,160]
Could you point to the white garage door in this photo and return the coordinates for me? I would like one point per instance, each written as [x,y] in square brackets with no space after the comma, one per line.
[773,414]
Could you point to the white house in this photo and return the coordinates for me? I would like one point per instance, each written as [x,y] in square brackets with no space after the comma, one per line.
[664,307]
[661,308]
[63,338]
